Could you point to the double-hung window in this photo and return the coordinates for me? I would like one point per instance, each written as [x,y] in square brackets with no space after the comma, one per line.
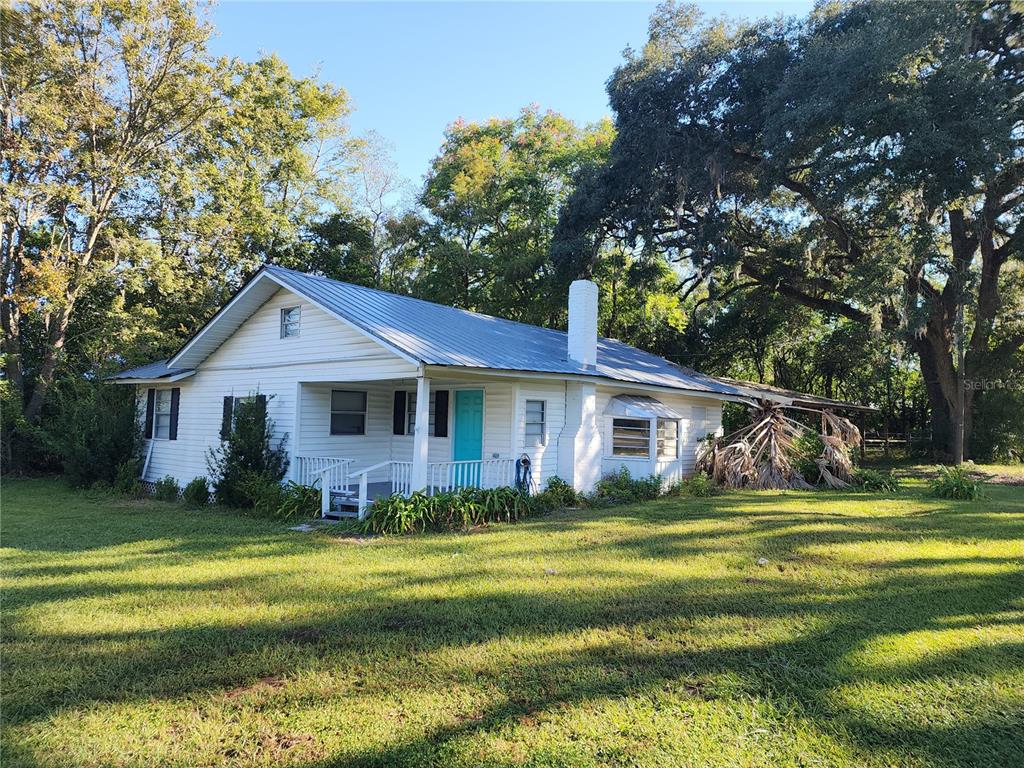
[535,432]
[290,317]
[668,438]
[348,412]
[699,417]
[410,415]
[162,414]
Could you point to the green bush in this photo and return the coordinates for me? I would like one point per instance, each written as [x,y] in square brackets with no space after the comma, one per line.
[955,483]
[621,488]
[559,494]
[246,462]
[298,502]
[699,485]
[196,493]
[95,430]
[456,510]
[809,446]
[166,489]
[260,492]
[126,478]
[873,480]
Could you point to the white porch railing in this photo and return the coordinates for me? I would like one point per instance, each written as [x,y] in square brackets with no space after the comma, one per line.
[335,475]
[443,476]
[398,474]
[306,470]
[331,477]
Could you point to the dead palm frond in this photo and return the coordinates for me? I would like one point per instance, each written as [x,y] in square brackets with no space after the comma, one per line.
[839,435]
[829,479]
[759,455]
[764,454]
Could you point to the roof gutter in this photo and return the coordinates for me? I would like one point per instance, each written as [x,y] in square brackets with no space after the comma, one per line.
[161,380]
[437,370]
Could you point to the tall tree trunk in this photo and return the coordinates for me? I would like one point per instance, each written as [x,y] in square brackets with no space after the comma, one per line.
[10,315]
[939,383]
[57,329]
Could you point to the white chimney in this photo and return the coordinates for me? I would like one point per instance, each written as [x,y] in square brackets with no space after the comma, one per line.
[583,322]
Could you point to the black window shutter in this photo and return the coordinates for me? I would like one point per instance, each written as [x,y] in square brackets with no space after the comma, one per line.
[261,407]
[150,406]
[398,416]
[175,398]
[225,422]
[441,413]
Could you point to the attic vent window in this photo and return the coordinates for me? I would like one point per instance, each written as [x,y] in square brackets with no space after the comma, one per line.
[290,322]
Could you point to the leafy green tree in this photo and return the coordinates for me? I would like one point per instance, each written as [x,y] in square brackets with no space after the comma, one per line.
[492,195]
[247,454]
[864,162]
[142,180]
[95,95]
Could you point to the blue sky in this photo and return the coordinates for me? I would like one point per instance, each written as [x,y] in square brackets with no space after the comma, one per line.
[412,68]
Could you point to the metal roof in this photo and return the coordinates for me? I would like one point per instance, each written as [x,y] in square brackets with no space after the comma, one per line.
[149,371]
[640,407]
[436,334]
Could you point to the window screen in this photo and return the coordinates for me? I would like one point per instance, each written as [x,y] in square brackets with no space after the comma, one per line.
[410,414]
[162,414]
[668,438]
[699,418]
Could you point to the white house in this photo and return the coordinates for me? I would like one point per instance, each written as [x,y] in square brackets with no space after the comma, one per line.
[377,393]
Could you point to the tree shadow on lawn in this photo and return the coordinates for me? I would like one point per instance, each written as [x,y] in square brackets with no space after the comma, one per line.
[356,627]
[802,671]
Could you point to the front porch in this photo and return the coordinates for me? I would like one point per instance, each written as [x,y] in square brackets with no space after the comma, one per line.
[363,440]
[347,493]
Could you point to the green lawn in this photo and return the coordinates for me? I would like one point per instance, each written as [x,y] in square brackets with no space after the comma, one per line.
[881,632]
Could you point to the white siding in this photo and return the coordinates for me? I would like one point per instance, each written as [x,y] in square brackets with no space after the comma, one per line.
[315,430]
[543,458]
[693,429]
[257,359]
[327,355]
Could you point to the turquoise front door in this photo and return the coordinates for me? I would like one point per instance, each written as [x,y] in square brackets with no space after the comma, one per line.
[468,429]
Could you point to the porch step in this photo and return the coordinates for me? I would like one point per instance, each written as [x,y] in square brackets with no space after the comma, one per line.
[344,504]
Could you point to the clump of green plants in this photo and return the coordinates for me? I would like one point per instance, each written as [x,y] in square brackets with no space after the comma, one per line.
[126,479]
[247,449]
[166,489]
[288,501]
[808,448]
[298,502]
[196,492]
[955,483]
[558,494]
[873,480]
[698,485]
[621,488]
[452,511]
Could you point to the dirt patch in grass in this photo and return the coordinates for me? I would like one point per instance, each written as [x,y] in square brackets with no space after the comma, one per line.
[1003,479]
[270,682]
[279,745]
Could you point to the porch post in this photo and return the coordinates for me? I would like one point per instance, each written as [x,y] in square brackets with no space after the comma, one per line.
[421,435]
[652,447]
[293,465]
